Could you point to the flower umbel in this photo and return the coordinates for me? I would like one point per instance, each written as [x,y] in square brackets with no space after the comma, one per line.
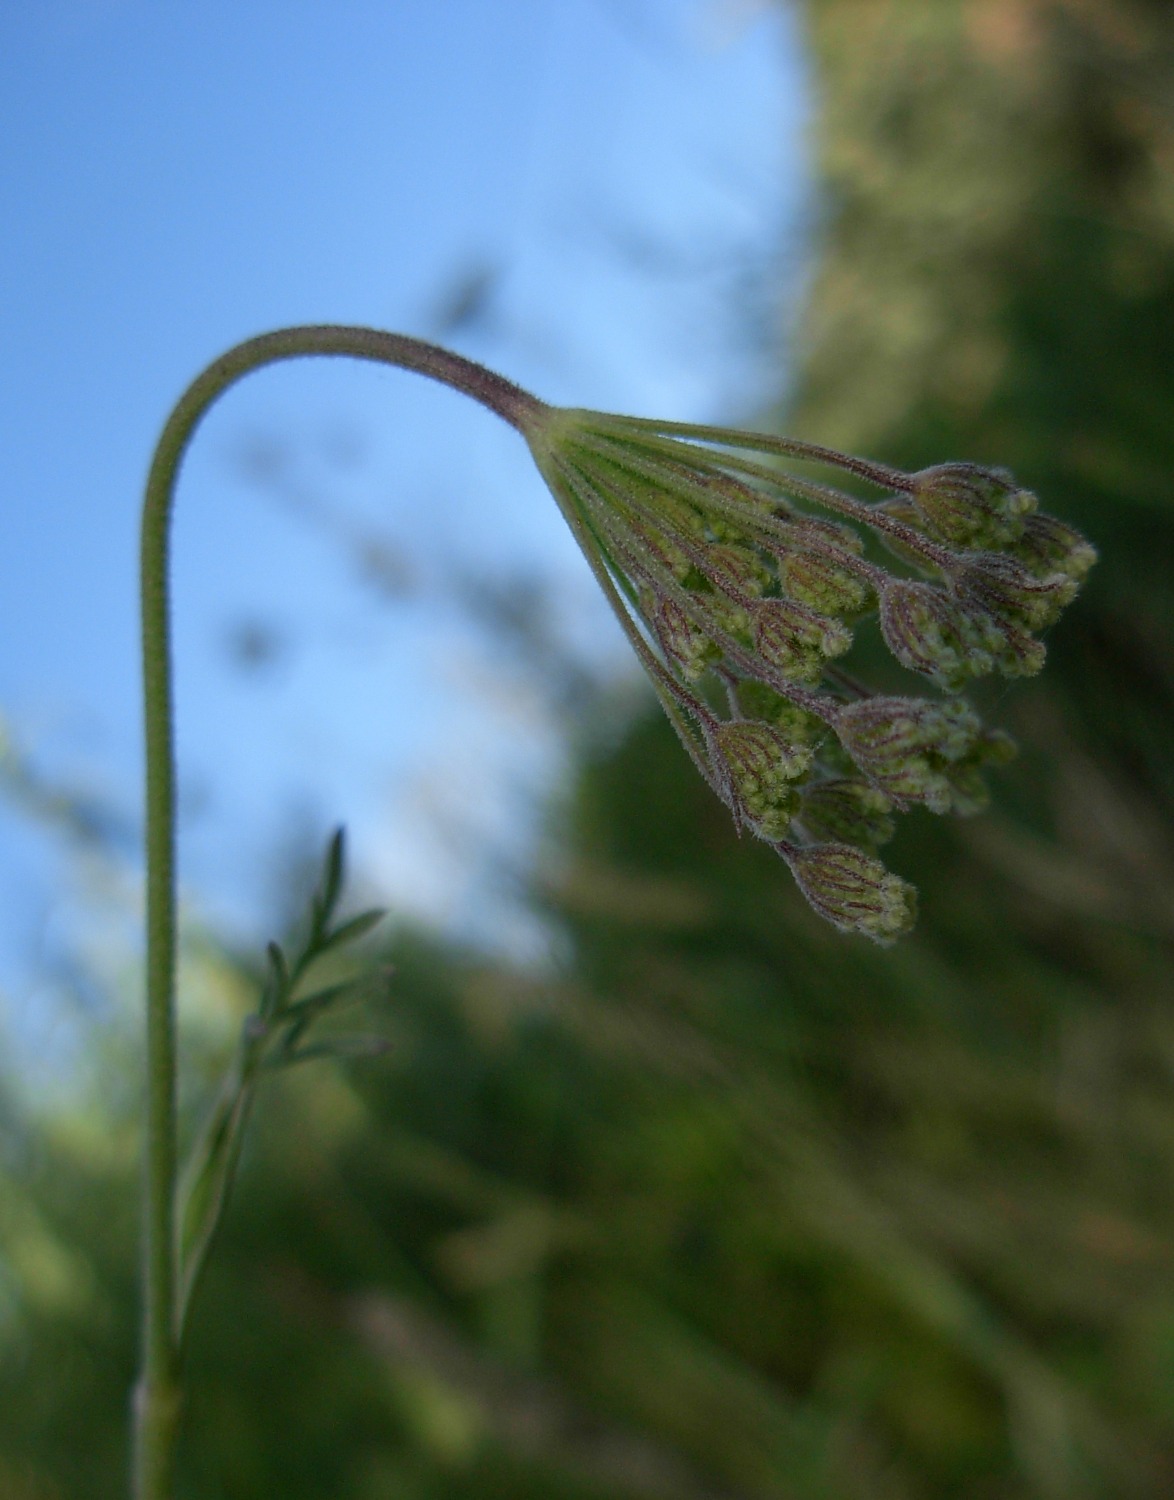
[740,585]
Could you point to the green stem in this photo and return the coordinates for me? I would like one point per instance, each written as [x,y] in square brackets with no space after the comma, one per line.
[765,442]
[157,1400]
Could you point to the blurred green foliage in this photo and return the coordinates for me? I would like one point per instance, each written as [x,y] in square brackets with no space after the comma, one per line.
[732,1206]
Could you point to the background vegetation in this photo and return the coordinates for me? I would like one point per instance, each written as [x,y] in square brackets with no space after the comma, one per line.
[732,1206]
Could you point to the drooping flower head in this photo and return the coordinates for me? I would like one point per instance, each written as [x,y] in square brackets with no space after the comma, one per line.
[740,586]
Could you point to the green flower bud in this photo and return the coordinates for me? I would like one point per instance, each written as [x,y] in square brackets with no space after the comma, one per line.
[968,790]
[853,890]
[656,551]
[1005,589]
[816,579]
[758,766]
[797,641]
[1049,546]
[757,701]
[681,640]
[1019,654]
[727,615]
[969,506]
[931,633]
[677,512]
[903,745]
[834,533]
[846,811]
[738,570]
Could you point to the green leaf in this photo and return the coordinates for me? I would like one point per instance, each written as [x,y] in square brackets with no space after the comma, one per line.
[326,898]
[336,1047]
[211,1168]
[352,931]
[347,992]
[277,982]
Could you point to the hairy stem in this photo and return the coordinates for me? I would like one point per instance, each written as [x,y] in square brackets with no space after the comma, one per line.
[157,1401]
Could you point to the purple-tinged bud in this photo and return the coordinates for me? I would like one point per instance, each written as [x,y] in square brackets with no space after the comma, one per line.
[816,579]
[680,639]
[835,533]
[884,726]
[758,768]
[656,551]
[901,744]
[1019,654]
[1049,546]
[847,811]
[969,506]
[853,890]
[797,641]
[1005,589]
[726,614]
[738,570]
[931,633]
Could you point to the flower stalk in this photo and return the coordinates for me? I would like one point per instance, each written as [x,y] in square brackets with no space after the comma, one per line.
[158,1394]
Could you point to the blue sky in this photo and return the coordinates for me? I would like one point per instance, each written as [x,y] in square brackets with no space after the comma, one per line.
[584,194]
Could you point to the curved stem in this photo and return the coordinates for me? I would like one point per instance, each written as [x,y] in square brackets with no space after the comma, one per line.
[157,1395]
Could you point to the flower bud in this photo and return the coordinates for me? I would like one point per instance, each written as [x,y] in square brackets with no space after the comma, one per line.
[725,614]
[1049,546]
[656,551]
[680,639]
[969,506]
[968,790]
[901,744]
[757,701]
[846,810]
[931,633]
[758,767]
[814,578]
[797,641]
[1019,654]
[738,570]
[853,890]
[835,533]
[1008,591]
[678,513]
